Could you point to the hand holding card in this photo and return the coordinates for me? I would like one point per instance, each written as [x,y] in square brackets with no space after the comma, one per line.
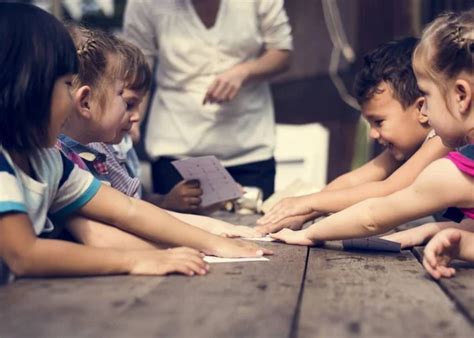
[216,183]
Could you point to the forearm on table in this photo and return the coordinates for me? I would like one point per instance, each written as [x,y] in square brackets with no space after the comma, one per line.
[330,201]
[374,216]
[100,235]
[154,224]
[466,246]
[75,260]
[203,222]
[378,169]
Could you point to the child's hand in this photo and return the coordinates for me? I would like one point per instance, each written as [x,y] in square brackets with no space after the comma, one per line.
[440,251]
[233,231]
[292,222]
[236,248]
[294,237]
[184,196]
[226,85]
[407,238]
[290,206]
[162,262]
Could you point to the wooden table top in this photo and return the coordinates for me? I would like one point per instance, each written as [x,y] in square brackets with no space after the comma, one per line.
[300,292]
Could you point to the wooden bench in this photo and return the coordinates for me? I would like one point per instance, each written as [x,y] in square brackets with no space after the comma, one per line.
[300,292]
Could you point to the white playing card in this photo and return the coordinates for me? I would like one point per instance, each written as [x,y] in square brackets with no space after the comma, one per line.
[216,183]
[213,259]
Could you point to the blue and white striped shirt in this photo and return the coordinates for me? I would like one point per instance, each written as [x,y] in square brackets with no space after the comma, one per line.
[58,189]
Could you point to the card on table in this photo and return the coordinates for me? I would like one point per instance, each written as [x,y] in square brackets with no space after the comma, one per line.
[213,259]
[371,243]
[216,183]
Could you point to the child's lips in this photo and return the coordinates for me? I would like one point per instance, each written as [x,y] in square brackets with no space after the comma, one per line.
[388,146]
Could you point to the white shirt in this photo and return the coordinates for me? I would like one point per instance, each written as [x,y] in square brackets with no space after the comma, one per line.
[190,56]
[58,189]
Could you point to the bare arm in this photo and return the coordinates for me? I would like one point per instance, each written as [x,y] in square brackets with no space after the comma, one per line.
[328,201]
[226,85]
[100,235]
[377,169]
[466,246]
[439,186]
[400,179]
[272,62]
[447,245]
[150,222]
[421,234]
[216,226]
[26,254]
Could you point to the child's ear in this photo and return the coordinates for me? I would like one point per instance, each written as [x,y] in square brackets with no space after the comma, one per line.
[462,96]
[82,99]
[422,116]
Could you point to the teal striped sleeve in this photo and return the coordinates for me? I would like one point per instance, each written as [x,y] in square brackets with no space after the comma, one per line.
[12,207]
[78,203]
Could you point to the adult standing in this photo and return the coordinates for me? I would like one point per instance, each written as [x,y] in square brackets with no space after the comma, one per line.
[212,97]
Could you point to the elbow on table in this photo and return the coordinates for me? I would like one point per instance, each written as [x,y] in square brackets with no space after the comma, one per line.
[18,263]
[370,224]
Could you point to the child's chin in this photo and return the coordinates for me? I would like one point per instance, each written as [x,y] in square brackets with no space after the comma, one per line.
[398,155]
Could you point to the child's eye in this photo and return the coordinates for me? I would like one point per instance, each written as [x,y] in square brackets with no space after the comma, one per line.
[378,123]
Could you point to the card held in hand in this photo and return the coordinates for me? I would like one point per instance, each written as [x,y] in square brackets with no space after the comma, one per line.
[216,183]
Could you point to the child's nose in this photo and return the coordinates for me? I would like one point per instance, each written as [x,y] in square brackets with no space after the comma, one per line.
[374,133]
[134,116]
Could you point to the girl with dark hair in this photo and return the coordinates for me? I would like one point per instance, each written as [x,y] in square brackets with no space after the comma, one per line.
[39,185]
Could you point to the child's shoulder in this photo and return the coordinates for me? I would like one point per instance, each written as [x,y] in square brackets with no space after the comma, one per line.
[463,158]
[41,160]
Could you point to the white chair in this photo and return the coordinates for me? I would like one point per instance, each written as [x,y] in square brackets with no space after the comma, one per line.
[301,153]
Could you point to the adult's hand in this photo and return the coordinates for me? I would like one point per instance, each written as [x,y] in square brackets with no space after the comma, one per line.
[227,85]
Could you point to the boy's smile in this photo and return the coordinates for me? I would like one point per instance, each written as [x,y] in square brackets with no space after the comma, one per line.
[400,130]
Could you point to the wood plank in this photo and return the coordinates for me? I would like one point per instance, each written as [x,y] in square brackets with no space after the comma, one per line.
[461,287]
[350,294]
[236,219]
[240,299]
[68,307]
[252,299]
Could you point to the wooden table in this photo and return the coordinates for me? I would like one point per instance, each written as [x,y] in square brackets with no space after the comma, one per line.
[300,292]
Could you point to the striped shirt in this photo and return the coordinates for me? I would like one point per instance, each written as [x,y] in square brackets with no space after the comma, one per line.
[58,189]
[463,158]
[100,159]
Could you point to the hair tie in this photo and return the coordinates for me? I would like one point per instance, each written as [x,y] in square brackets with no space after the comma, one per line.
[457,36]
[87,46]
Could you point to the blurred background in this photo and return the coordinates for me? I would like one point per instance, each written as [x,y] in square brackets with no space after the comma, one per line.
[330,40]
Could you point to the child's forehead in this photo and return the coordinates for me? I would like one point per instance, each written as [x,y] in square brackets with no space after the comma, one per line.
[382,103]
[133,93]
[382,95]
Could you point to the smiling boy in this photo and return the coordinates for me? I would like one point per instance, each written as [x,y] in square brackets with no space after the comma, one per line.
[392,103]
